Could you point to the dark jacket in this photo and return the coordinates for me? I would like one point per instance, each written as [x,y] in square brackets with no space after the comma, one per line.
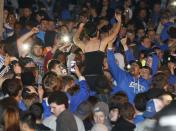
[66,122]
[123,125]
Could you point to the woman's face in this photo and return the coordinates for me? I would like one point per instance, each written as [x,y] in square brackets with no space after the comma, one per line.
[17,68]
[114,114]
[99,117]
[149,61]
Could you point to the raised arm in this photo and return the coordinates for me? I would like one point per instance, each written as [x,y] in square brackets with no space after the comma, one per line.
[113,34]
[76,37]
[128,54]
[22,40]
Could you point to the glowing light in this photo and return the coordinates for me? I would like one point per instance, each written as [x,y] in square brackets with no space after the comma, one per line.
[66,38]
[25,46]
[128,66]
[173,3]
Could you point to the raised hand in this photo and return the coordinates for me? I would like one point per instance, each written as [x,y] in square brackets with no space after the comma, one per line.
[7,60]
[81,25]
[35,30]
[77,71]
[118,17]
[124,41]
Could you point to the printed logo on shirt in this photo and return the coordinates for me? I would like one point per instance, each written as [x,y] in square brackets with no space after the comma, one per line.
[137,87]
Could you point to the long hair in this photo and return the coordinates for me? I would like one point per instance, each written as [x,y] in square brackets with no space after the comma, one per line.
[11,119]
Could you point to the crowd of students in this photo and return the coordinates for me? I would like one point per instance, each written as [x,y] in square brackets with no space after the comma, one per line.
[82,65]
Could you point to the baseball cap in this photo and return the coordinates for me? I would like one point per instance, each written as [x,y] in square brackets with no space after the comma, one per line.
[136,62]
[101,107]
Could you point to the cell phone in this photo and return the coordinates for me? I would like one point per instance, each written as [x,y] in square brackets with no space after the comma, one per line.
[73,63]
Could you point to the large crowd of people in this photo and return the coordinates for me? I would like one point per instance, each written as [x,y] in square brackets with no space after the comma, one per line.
[88,65]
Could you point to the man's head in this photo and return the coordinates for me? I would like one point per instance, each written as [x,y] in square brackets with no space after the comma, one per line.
[14,88]
[160,80]
[140,102]
[44,24]
[51,82]
[100,112]
[27,12]
[164,17]
[55,66]
[146,72]
[37,48]
[157,7]
[140,32]
[151,34]
[58,102]
[135,68]
[127,111]
[91,30]
[146,42]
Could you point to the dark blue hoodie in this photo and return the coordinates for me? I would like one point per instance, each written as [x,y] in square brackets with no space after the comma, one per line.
[164,33]
[172,79]
[125,81]
[155,64]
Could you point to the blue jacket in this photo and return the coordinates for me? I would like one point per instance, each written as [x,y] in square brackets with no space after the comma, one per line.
[79,97]
[164,33]
[22,106]
[129,56]
[155,64]
[46,108]
[138,118]
[172,79]
[74,101]
[125,81]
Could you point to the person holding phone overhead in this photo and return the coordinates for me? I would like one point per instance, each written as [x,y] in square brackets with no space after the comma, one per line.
[94,48]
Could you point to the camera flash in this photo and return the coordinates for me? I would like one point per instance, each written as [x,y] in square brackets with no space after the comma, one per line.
[66,38]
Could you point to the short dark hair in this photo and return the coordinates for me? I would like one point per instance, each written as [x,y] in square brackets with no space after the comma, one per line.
[37,110]
[52,64]
[57,54]
[49,38]
[29,119]
[144,37]
[127,111]
[148,68]
[91,29]
[140,102]
[159,80]
[59,98]
[25,60]
[4,86]
[119,98]
[102,85]
[13,87]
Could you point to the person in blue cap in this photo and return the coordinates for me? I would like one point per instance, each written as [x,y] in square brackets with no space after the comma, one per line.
[129,82]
